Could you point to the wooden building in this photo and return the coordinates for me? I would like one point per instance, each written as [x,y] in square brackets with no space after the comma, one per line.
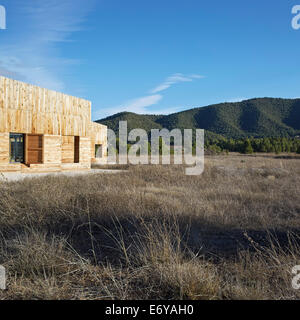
[44,131]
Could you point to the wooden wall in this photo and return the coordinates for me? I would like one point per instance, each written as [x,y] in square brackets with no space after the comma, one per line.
[52,149]
[98,133]
[25,108]
[4,147]
[67,149]
[60,118]
[85,150]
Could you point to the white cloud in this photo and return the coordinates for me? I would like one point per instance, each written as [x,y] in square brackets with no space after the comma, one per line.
[138,105]
[173,79]
[30,52]
[141,105]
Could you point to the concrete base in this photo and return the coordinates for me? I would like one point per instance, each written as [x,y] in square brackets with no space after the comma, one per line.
[44,168]
[17,176]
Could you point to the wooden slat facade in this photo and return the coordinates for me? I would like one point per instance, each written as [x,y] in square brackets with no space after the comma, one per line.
[99,137]
[58,128]
[67,149]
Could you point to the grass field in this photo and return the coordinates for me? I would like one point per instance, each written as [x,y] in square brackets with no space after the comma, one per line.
[154,233]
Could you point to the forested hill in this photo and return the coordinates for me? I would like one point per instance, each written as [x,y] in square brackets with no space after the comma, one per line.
[263,117]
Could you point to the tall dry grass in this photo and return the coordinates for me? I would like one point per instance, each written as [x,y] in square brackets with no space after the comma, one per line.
[154,233]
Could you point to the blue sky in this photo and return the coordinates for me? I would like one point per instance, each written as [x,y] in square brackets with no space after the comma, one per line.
[153,56]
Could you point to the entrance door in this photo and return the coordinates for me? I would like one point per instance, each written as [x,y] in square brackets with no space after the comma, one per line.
[34,149]
[16,144]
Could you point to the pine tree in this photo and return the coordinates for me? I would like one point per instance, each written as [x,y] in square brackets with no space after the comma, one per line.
[247,147]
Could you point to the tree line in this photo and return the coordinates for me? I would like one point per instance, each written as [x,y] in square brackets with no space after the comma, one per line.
[251,145]
[242,145]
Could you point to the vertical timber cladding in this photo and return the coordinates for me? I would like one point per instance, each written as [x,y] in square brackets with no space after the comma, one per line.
[67,149]
[98,137]
[52,149]
[85,151]
[58,128]
[29,109]
[70,149]
[4,148]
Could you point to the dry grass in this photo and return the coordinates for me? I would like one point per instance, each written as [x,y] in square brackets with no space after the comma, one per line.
[155,233]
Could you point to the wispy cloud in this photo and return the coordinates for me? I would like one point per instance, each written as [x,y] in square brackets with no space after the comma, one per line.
[30,49]
[141,105]
[138,105]
[173,79]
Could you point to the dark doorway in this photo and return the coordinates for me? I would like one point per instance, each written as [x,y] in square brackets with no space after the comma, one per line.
[16,147]
[98,151]
[76,149]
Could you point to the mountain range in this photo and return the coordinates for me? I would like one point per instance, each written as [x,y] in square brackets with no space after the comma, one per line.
[260,117]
